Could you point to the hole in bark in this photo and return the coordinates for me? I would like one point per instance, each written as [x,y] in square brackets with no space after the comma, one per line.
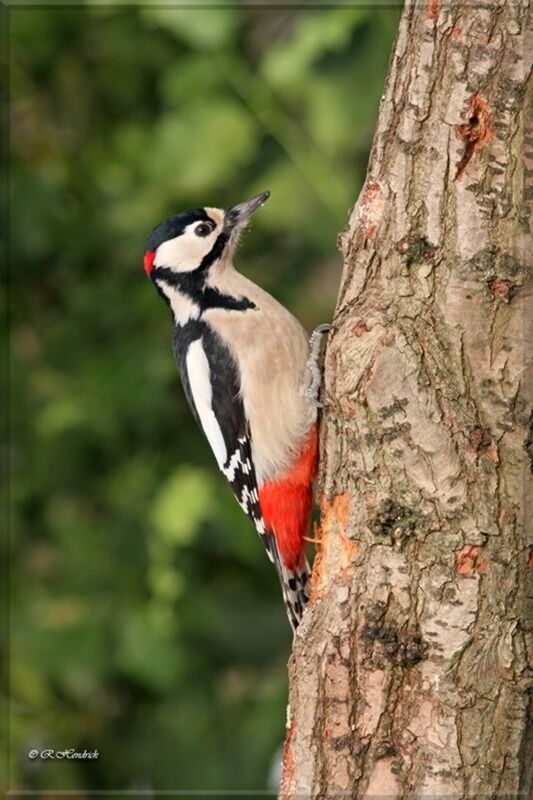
[476,132]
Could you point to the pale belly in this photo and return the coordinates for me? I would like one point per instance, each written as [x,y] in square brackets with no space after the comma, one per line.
[273,354]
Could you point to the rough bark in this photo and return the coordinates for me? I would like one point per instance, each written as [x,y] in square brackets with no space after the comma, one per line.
[409,671]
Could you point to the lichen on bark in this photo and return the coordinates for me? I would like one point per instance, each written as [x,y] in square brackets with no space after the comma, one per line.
[409,672]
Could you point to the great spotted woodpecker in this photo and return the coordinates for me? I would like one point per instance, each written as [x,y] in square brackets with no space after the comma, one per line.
[243,358]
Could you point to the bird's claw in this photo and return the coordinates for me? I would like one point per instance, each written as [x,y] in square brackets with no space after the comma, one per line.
[313,372]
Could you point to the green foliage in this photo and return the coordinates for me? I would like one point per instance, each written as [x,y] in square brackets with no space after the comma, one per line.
[206,29]
[204,163]
[291,60]
[182,504]
[145,652]
[146,621]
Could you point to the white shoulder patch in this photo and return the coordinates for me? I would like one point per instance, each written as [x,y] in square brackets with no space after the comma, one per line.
[200,382]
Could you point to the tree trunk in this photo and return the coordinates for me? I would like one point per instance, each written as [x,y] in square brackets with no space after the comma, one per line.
[408,677]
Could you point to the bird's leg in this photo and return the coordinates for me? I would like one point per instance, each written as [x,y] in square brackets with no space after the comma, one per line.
[316,539]
[313,371]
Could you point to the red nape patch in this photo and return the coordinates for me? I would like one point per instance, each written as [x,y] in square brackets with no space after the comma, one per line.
[286,503]
[149,257]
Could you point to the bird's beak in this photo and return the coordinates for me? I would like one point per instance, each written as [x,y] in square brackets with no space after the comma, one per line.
[237,216]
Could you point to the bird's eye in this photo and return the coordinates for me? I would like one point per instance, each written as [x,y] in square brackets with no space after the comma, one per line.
[203,229]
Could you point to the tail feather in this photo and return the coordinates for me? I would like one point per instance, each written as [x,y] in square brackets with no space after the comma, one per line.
[285,505]
[294,587]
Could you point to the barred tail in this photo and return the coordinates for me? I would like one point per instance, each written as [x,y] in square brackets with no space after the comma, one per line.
[294,586]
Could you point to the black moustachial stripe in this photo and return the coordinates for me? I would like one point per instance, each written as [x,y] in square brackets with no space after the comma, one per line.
[215,252]
[192,284]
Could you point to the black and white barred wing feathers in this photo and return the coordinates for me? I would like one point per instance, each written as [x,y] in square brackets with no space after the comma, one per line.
[240,474]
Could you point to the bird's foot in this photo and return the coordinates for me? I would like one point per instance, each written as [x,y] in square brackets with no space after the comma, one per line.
[316,538]
[313,371]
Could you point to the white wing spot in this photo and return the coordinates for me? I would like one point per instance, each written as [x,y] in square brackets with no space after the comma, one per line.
[229,471]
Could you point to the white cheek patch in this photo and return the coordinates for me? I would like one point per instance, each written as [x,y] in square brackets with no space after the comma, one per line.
[198,374]
[185,253]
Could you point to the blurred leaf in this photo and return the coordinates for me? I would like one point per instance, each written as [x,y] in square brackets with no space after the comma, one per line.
[194,71]
[146,654]
[59,415]
[182,503]
[317,34]
[207,143]
[204,28]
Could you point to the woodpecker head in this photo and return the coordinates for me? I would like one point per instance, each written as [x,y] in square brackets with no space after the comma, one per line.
[193,241]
